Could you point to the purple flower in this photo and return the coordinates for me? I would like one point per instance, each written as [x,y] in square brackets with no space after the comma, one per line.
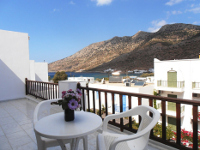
[73,104]
[70,90]
[63,93]
[79,91]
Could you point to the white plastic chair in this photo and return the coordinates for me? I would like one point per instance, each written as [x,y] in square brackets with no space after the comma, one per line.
[43,109]
[138,141]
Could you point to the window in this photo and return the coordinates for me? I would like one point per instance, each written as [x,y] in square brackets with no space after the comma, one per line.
[172,123]
[172,79]
[171,106]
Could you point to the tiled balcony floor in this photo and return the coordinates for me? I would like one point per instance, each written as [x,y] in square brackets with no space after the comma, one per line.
[16,127]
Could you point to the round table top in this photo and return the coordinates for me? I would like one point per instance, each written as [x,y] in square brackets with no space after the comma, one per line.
[54,126]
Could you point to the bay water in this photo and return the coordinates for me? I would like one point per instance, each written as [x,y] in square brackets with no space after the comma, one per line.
[90,74]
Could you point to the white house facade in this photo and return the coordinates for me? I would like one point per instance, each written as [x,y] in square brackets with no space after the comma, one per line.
[178,79]
[15,65]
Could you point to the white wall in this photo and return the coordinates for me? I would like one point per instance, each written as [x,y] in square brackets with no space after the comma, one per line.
[14,64]
[32,70]
[187,71]
[38,71]
[41,71]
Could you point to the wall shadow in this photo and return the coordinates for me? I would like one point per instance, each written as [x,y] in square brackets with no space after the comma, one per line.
[11,86]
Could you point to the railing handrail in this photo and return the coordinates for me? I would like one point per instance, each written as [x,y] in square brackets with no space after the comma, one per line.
[175,100]
[43,90]
[42,82]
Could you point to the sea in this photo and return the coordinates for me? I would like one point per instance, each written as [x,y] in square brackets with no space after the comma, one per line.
[90,74]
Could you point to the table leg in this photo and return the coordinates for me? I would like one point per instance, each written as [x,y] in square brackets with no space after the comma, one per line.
[76,143]
[85,142]
[73,145]
[62,145]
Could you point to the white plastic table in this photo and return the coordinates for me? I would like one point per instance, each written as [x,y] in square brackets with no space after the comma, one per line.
[55,127]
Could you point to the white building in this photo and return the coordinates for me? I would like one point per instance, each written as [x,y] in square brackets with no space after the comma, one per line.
[178,79]
[86,79]
[15,65]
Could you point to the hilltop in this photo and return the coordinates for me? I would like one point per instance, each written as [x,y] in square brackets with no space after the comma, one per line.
[173,41]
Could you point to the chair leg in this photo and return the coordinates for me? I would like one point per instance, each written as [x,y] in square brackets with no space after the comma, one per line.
[40,143]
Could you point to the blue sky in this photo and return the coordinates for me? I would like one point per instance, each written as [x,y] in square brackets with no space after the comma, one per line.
[60,28]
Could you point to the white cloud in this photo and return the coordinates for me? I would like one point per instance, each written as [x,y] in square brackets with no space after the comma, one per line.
[173,2]
[156,25]
[103,2]
[196,22]
[176,12]
[72,3]
[195,10]
[54,10]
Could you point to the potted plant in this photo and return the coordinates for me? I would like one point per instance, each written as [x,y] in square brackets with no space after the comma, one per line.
[70,101]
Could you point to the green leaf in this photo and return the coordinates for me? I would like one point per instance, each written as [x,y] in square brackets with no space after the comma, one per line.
[64,105]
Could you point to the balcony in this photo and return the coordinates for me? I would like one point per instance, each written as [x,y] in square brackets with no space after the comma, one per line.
[16,130]
[196,85]
[196,88]
[176,86]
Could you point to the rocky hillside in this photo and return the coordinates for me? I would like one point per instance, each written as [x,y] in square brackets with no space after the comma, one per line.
[176,41]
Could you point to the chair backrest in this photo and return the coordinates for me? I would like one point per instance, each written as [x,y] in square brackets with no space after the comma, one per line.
[142,135]
[147,123]
[146,119]
[44,108]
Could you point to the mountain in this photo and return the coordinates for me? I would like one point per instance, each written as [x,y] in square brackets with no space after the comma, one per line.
[174,41]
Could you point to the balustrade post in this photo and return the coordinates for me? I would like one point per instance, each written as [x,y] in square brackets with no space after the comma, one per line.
[163,120]
[93,94]
[121,110]
[99,103]
[106,103]
[139,103]
[113,105]
[53,91]
[178,123]
[195,127]
[88,98]
[129,106]
[83,99]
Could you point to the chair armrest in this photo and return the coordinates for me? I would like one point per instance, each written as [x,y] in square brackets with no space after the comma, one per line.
[127,138]
[110,117]
[35,114]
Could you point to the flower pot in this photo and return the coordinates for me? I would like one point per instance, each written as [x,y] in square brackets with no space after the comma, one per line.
[69,115]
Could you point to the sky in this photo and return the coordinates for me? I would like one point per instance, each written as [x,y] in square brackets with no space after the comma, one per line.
[60,28]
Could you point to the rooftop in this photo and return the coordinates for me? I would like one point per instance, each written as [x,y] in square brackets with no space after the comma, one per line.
[16,127]
[132,85]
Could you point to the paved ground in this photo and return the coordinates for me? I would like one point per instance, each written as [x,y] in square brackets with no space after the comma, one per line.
[16,127]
